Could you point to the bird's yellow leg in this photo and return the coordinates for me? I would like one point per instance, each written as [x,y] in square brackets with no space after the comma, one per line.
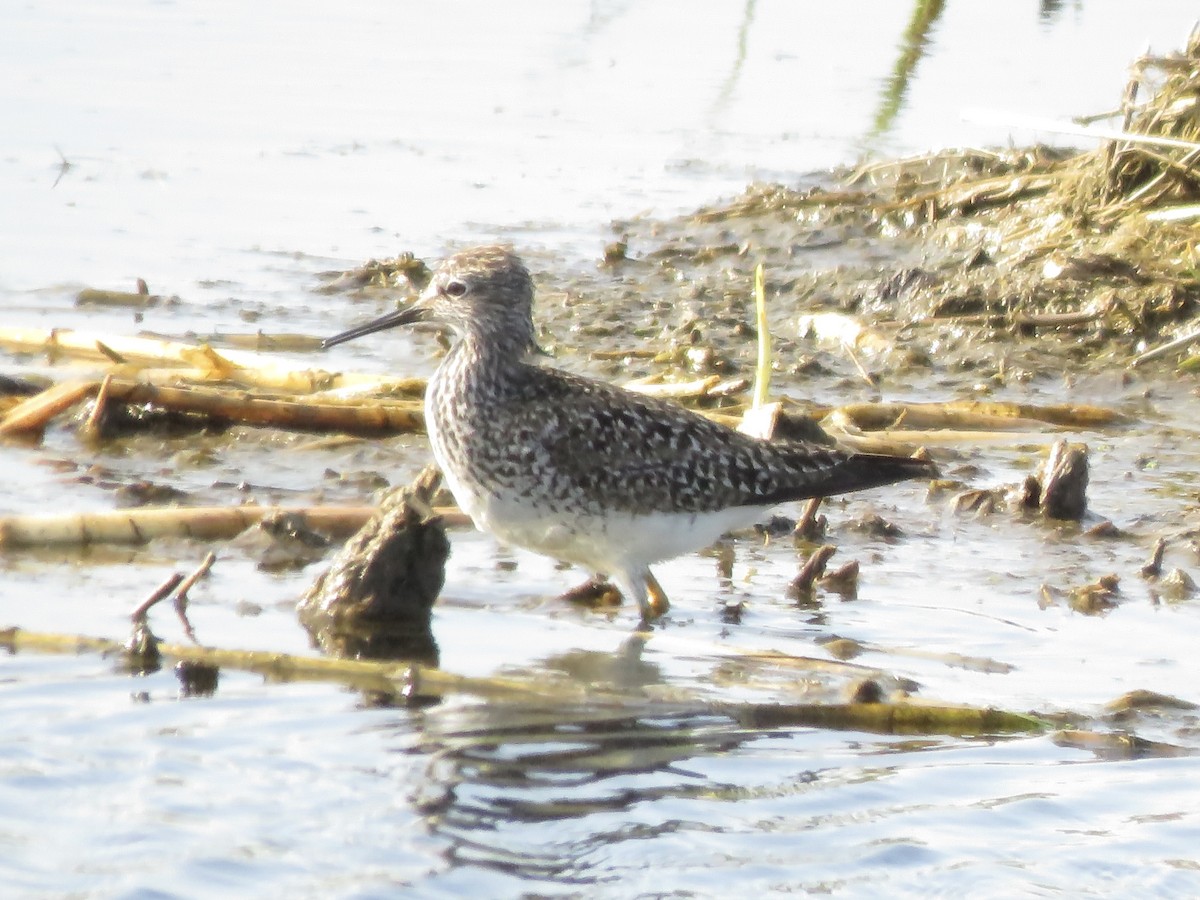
[657,603]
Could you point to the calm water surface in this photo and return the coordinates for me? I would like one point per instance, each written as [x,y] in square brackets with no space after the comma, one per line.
[229,152]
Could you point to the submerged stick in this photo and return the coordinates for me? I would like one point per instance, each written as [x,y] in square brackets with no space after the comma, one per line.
[367,674]
[410,679]
[139,526]
[889,718]
[181,593]
[161,592]
[201,570]
[811,526]
[1153,566]
[813,568]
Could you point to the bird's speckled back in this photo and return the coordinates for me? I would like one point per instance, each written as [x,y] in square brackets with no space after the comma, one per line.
[570,445]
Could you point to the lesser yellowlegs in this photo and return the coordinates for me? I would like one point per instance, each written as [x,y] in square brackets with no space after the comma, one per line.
[584,471]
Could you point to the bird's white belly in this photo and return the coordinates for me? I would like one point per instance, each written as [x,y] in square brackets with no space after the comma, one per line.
[608,542]
[613,542]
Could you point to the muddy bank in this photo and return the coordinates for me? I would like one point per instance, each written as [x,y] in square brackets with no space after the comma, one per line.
[997,266]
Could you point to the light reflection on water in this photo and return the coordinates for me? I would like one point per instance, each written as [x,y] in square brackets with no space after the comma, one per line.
[292,790]
[793,809]
[299,789]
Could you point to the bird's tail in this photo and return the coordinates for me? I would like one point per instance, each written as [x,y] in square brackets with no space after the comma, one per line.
[840,473]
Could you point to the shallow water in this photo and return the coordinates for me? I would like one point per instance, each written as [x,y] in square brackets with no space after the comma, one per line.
[230,153]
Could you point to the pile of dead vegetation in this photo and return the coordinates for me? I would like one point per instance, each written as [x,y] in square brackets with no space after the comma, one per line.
[1103,241]
[964,250]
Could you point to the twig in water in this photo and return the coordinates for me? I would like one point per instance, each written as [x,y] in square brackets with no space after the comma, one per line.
[1153,568]
[161,592]
[181,594]
[813,569]
[811,527]
[1163,349]
[92,428]
[64,166]
[866,376]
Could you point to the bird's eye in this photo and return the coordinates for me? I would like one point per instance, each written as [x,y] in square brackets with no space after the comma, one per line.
[456,288]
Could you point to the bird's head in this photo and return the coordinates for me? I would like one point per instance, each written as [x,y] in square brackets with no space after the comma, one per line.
[484,293]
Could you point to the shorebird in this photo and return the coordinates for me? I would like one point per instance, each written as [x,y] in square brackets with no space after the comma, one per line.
[585,471]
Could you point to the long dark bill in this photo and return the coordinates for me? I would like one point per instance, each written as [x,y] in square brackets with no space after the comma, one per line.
[406,316]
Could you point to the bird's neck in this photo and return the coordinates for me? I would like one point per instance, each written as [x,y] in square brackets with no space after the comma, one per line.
[478,361]
[495,352]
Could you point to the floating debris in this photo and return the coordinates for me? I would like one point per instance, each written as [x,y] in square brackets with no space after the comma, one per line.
[843,648]
[813,568]
[843,580]
[1097,598]
[139,299]
[1153,567]
[812,525]
[1142,700]
[1119,746]
[405,269]
[1176,585]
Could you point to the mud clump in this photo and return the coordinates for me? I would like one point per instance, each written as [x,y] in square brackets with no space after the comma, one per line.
[376,598]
